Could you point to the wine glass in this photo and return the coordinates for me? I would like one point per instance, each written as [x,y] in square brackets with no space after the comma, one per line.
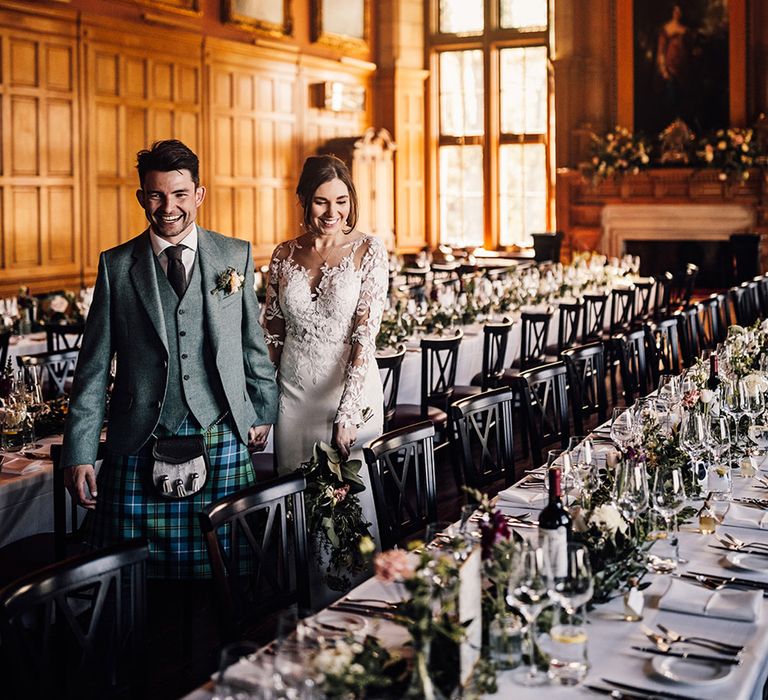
[755,405]
[575,589]
[584,465]
[630,489]
[231,658]
[528,591]
[668,499]
[734,403]
[693,440]
[623,428]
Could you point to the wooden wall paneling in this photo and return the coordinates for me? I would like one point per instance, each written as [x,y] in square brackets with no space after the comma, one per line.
[133,97]
[40,217]
[254,115]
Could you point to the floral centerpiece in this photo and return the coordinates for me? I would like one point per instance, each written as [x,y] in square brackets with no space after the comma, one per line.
[334,514]
[429,613]
[52,417]
[618,152]
[731,151]
[62,307]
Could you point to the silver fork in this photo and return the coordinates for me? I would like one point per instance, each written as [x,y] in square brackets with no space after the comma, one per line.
[713,644]
[740,544]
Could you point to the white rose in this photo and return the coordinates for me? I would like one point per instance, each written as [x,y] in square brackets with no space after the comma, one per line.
[755,383]
[735,330]
[706,396]
[607,518]
[764,326]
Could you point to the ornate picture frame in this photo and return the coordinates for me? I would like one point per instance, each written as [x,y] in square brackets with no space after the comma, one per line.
[191,8]
[271,17]
[640,25]
[342,24]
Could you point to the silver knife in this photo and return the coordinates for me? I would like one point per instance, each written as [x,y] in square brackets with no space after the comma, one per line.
[741,550]
[650,693]
[728,660]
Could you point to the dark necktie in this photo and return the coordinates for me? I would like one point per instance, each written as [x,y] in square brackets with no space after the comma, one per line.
[177,275]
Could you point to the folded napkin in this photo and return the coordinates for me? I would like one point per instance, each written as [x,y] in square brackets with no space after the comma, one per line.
[744,516]
[684,597]
[18,466]
[522,497]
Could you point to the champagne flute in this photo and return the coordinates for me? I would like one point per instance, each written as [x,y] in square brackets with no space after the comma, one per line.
[528,591]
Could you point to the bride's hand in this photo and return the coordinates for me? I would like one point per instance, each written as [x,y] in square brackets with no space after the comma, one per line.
[344,439]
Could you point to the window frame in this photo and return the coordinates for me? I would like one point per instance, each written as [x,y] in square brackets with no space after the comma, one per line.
[491,42]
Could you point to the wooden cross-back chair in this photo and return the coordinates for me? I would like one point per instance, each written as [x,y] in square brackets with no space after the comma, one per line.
[593,315]
[663,296]
[622,309]
[76,629]
[257,545]
[402,468]
[633,357]
[682,287]
[533,338]
[56,369]
[663,344]
[586,378]
[390,366]
[568,325]
[712,321]
[546,403]
[644,296]
[62,336]
[495,342]
[689,332]
[483,438]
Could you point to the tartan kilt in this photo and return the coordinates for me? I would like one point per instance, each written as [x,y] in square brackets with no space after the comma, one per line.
[128,507]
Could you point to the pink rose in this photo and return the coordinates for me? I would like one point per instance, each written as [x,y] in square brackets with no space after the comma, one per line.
[340,493]
[392,565]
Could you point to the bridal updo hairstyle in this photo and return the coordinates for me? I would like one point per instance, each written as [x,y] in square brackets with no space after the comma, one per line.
[317,171]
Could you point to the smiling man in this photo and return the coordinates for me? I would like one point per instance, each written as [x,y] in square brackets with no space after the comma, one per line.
[175,306]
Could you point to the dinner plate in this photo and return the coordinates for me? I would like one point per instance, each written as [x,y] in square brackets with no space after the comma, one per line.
[332,622]
[747,561]
[690,672]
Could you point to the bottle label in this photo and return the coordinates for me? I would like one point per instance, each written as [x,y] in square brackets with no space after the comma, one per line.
[555,543]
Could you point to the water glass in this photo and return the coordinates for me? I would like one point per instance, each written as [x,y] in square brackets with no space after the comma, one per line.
[568,659]
[505,642]
[668,499]
[230,682]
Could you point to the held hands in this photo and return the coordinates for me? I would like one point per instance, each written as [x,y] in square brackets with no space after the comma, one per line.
[76,478]
[343,439]
[257,437]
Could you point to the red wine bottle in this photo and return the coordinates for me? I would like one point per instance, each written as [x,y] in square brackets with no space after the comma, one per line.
[714,378]
[555,526]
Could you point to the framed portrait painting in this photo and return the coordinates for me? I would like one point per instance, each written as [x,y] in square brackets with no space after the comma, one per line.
[343,24]
[681,59]
[271,17]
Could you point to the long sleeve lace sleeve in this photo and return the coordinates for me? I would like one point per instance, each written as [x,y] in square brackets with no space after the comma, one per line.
[273,320]
[370,307]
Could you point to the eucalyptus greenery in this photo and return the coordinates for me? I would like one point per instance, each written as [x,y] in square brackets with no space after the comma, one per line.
[334,514]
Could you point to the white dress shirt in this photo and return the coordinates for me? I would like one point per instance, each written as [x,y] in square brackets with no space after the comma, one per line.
[189,250]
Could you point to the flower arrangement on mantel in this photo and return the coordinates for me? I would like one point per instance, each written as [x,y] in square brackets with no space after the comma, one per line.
[732,152]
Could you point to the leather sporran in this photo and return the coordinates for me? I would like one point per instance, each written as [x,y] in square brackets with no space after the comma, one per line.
[181,466]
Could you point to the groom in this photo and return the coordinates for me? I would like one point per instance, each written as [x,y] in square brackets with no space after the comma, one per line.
[177,309]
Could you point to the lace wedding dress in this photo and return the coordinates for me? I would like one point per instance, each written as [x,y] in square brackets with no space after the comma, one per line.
[326,339]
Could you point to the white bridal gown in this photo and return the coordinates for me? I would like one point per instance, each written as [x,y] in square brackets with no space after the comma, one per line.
[328,371]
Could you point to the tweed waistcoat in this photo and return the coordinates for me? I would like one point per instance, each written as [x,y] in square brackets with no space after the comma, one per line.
[193,382]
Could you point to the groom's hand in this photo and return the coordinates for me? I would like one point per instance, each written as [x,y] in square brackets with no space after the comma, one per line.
[257,437]
[76,479]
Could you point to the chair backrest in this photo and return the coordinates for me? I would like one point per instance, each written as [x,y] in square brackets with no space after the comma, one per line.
[402,466]
[495,341]
[753,300]
[742,306]
[682,287]
[644,295]
[622,309]
[389,368]
[633,363]
[586,380]
[594,317]
[257,545]
[546,407]
[57,370]
[762,294]
[663,344]
[662,303]
[439,358]
[533,338]
[76,629]
[689,331]
[484,433]
[568,327]
[5,339]
[61,337]
[712,321]
[546,246]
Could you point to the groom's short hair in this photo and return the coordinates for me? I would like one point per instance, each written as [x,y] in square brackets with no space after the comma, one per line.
[165,156]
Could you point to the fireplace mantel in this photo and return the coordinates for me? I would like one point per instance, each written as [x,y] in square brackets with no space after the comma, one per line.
[660,203]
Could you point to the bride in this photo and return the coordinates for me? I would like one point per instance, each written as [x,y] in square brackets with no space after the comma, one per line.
[325,299]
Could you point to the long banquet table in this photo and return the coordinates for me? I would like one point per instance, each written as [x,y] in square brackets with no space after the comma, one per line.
[611,637]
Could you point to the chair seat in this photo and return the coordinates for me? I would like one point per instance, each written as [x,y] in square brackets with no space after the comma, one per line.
[263,465]
[464,392]
[410,413]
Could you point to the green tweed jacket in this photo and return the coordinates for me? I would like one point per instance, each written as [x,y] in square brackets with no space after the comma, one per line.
[126,319]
